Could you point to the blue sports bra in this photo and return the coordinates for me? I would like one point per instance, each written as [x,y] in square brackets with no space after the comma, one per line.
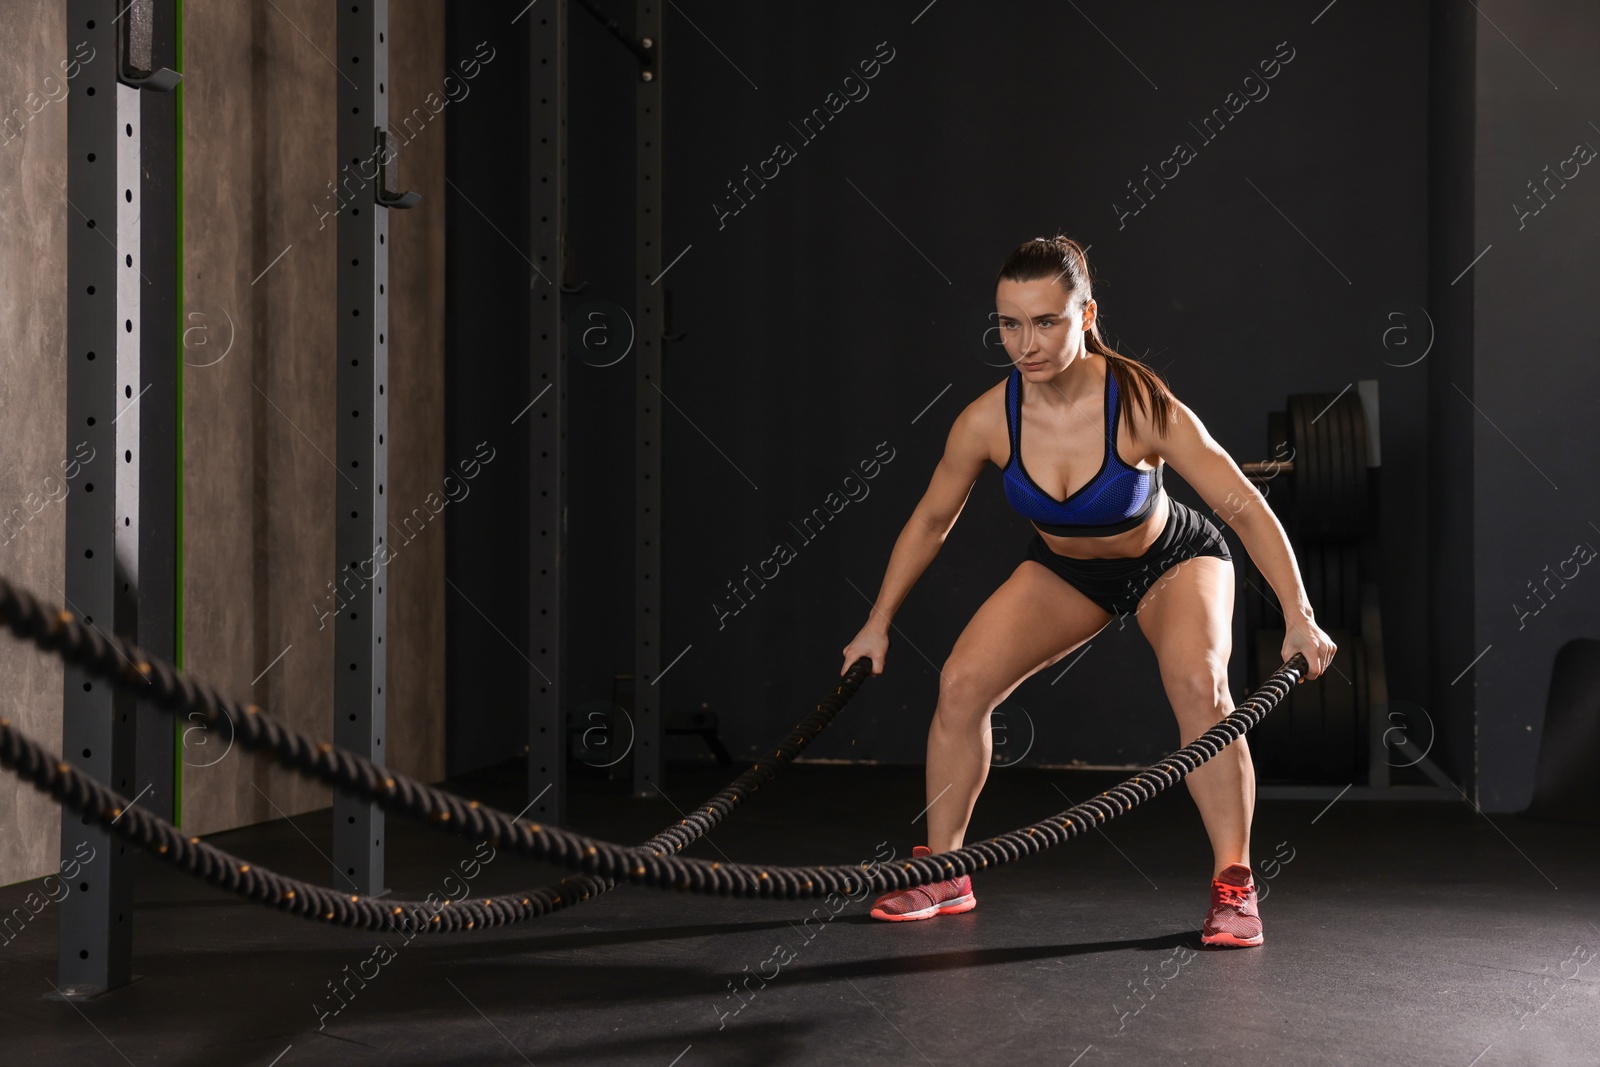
[1117,498]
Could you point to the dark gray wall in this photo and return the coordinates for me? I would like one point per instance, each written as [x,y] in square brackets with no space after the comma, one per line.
[850,291]
[1449,368]
[832,309]
[486,384]
[1536,474]
[831,304]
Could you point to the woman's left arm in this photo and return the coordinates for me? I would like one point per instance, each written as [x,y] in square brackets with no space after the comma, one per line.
[1203,463]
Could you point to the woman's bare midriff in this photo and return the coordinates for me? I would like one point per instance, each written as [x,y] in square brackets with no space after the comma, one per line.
[1125,545]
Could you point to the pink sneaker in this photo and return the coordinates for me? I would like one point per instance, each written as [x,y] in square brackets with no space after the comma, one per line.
[949,897]
[1234,918]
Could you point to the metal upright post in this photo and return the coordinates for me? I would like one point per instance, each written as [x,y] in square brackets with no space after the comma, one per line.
[108,375]
[367,182]
[547,511]
[650,300]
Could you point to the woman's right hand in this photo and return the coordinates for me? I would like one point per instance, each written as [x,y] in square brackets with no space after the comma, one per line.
[870,642]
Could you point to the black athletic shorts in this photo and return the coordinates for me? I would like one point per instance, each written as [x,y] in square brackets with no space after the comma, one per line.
[1118,584]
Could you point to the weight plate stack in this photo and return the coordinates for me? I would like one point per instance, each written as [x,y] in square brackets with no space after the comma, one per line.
[1339,753]
[1328,433]
[1337,598]
[1318,732]
[1350,585]
[1271,746]
[1312,577]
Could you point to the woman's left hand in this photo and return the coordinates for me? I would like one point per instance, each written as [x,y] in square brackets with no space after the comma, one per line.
[1308,639]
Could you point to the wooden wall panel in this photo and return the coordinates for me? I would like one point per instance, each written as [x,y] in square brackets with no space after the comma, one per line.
[33,392]
[258,388]
[260,210]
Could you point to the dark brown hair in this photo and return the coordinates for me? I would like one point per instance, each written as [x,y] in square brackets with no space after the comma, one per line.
[1062,259]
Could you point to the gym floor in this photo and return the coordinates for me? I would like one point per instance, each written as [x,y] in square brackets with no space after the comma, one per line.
[1418,933]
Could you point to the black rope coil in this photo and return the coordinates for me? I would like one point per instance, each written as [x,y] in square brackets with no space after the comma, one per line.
[125,665]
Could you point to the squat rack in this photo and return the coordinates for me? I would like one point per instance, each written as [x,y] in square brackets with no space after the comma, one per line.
[546,601]
[122,404]
[121,424]
[360,716]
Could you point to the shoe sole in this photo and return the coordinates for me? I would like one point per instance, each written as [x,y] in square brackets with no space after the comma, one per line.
[949,907]
[1230,941]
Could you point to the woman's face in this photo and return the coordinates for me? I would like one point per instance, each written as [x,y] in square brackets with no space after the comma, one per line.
[1040,328]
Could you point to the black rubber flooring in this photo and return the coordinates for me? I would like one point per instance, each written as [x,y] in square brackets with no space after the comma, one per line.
[1420,933]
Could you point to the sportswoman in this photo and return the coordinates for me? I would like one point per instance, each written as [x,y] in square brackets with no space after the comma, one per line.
[1098,429]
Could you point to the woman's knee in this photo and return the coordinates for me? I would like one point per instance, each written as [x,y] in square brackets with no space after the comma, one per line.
[1200,695]
[965,695]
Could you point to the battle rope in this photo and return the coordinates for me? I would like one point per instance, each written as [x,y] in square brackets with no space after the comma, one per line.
[85,795]
[165,687]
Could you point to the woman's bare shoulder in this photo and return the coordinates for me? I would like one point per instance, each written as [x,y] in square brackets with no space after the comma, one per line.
[1149,438]
[981,425]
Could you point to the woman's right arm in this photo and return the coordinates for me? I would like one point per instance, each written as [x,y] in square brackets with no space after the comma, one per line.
[965,453]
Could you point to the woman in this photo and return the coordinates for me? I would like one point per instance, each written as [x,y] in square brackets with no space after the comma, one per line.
[1100,428]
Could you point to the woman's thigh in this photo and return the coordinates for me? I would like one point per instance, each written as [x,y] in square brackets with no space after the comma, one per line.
[1187,616]
[1033,620]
